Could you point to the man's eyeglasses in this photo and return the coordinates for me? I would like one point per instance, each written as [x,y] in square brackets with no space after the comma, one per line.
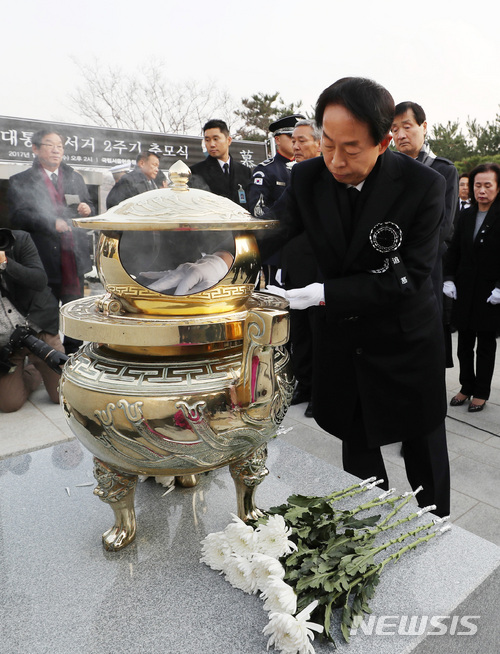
[53,146]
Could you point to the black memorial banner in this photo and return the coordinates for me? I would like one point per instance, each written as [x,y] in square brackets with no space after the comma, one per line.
[102,147]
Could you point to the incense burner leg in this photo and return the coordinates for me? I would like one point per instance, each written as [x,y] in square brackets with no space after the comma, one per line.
[187,481]
[118,490]
[247,475]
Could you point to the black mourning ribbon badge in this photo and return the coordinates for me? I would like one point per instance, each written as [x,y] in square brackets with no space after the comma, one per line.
[387,237]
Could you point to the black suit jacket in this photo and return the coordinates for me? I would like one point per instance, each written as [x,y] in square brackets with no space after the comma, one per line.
[474,266]
[31,209]
[128,186]
[378,344]
[446,168]
[210,172]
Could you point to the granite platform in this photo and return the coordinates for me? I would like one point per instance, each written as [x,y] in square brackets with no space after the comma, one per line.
[62,593]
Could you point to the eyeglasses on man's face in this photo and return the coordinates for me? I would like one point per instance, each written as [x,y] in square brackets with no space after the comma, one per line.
[52,146]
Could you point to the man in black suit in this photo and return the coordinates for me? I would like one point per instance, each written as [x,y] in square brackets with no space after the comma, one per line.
[409,131]
[139,180]
[373,219]
[463,194]
[219,173]
[43,200]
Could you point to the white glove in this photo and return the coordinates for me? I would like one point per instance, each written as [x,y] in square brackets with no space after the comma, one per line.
[494,297]
[450,290]
[151,275]
[277,290]
[194,277]
[301,298]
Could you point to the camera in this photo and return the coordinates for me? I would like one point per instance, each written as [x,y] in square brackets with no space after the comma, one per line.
[25,337]
[7,239]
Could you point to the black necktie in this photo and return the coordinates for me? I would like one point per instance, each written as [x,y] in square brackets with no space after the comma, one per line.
[353,194]
[225,167]
[349,218]
[54,179]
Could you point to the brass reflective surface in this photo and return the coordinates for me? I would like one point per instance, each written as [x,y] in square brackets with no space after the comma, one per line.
[84,319]
[229,294]
[176,208]
[175,385]
[185,416]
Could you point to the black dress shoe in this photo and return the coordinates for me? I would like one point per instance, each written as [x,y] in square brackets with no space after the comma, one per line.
[301,394]
[475,408]
[309,410]
[456,402]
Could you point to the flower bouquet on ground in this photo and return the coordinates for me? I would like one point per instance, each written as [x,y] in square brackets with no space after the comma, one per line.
[309,558]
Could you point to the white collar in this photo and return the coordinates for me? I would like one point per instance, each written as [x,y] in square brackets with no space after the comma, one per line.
[358,187]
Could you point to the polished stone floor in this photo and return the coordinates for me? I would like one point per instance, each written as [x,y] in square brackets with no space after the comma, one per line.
[62,593]
[473,440]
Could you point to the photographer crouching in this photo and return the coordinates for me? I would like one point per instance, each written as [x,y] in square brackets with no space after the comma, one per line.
[30,348]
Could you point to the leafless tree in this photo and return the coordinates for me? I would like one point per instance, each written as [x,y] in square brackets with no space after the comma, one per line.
[148,100]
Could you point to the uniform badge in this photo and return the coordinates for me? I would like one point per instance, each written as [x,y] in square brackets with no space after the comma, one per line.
[258,180]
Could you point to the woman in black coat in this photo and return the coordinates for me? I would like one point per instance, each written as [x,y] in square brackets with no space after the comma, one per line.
[472,279]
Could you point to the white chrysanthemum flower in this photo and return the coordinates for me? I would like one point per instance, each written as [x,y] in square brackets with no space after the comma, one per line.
[272,537]
[241,537]
[238,570]
[165,480]
[264,567]
[279,596]
[292,635]
[215,550]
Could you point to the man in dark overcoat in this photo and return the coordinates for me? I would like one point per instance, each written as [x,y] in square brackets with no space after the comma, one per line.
[139,180]
[43,201]
[373,219]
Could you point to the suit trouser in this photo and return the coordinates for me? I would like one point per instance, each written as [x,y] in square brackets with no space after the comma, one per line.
[301,342]
[425,457]
[71,345]
[476,380]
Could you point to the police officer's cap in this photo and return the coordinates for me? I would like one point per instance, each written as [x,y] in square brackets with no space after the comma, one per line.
[285,125]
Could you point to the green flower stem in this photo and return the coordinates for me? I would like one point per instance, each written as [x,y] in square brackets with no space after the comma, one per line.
[373,504]
[386,527]
[411,546]
[400,539]
[347,492]
[397,508]
[369,534]
[377,569]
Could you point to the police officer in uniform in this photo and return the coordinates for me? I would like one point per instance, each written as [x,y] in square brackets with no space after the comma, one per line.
[270,177]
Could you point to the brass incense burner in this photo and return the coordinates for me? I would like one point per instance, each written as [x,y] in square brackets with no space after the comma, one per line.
[175,385]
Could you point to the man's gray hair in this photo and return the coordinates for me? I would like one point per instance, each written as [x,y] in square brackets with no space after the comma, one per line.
[312,124]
